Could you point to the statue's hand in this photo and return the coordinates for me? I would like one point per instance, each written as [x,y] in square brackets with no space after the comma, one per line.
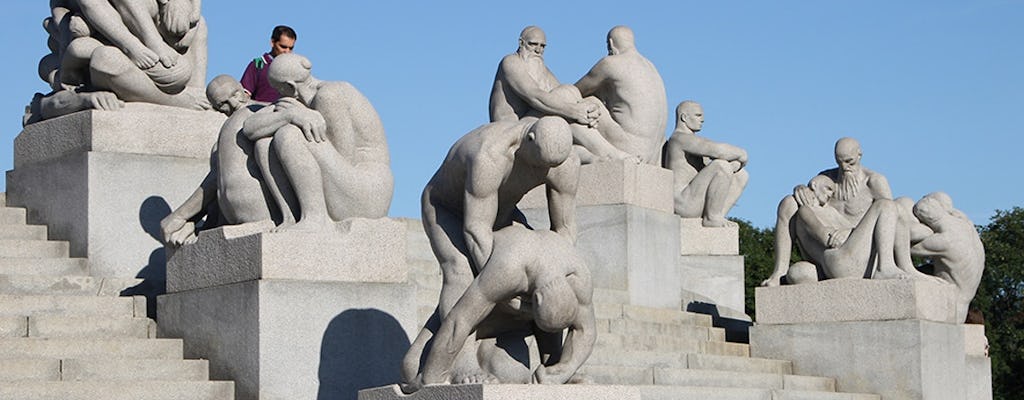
[312,124]
[804,196]
[837,238]
[105,101]
[553,375]
[168,57]
[177,231]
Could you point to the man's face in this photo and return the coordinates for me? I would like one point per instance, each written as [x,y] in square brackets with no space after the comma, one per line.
[848,160]
[693,117]
[533,44]
[824,192]
[282,46]
[232,99]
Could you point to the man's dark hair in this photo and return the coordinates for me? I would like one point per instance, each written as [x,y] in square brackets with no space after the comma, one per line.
[282,30]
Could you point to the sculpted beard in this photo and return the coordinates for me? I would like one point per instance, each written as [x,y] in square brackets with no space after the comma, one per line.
[849,184]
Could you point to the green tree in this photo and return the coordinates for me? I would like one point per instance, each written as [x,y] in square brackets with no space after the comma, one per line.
[1000,299]
[756,247]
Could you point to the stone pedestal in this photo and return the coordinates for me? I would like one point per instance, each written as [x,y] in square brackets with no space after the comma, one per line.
[294,314]
[895,338]
[103,180]
[505,392]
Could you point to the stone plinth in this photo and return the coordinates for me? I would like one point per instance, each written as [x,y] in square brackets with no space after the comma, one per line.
[505,392]
[103,180]
[616,182]
[302,327]
[629,248]
[719,279]
[856,300]
[696,240]
[359,250]
[899,360]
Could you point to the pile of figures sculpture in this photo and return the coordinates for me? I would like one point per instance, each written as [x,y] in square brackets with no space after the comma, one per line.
[319,156]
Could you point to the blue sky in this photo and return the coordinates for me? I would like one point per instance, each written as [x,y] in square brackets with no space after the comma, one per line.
[932,89]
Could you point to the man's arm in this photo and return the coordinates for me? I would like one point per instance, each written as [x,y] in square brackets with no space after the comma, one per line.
[520,81]
[934,245]
[561,192]
[879,186]
[593,80]
[701,146]
[481,206]
[287,110]
[462,320]
[783,240]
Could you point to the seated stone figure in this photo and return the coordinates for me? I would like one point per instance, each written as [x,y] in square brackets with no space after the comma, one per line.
[542,274]
[633,107]
[949,240]
[137,51]
[709,175]
[241,186]
[525,87]
[330,143]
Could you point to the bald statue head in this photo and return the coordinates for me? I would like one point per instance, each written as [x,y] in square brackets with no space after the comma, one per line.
[548,142]
[226,94]
[690,114]
[848,154]
[290,74]
[532,42]
[555,305]
[620,40]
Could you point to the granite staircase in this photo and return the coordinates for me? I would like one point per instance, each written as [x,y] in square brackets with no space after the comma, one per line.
[67,335]
[667,354]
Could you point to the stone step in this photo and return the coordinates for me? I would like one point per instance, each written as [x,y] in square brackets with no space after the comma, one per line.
[56,326]
[634,327]
[648,343]
[671,376]
[12,215]
[32,348]
[29,305]
[44,266]
[661,392]
[150,390]
[15,248]
[23,232]
[738,364]
[67,285]
[134,370]
[103,370]
[648,314]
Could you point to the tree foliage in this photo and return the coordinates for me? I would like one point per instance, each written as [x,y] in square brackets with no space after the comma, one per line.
[756,246]
[1000,299]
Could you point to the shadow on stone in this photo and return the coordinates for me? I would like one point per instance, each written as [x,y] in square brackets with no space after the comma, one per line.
[737,328]
[362,348]
[154,273]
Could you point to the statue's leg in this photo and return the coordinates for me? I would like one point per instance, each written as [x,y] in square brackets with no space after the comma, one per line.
[242,197]
[276,182]
[717,194]
[303,172]
[783,240]
[105,19]
[111,70]
[444,229]
[739,182]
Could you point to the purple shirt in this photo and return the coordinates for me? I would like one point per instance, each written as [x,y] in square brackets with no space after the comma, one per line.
[254,79]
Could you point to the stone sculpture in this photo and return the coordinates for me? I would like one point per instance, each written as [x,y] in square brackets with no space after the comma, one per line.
[104,52]
[634,109]
[240,182]
[709,175]
[524,86]
[549,286]
[476,189]
[856,190]
[330,143]
[949,240]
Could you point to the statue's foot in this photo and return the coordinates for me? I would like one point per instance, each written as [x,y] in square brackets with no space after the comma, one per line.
[479,377]
[716,222]
[772,281]
[889,273]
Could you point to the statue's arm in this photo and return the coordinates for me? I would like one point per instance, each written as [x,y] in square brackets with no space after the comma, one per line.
[579,341]
[934,245]
[520,81]
[593,80]
[481,209]
[783,240]
[879,186]
[561,193]
[704,147]
[175,227]
[462,320]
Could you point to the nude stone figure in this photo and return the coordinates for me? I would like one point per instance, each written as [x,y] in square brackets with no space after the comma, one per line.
[952,245]
[524,86]
[634,107]
[140,51]
[476,189]
[709,175]
[331,145]
[542,270]
[240,184]
[857,188]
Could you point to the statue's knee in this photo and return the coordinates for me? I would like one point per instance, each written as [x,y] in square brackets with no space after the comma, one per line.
[719,166]
[110,61]
[802,272]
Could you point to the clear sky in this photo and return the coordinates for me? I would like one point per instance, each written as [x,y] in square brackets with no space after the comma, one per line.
[932,89]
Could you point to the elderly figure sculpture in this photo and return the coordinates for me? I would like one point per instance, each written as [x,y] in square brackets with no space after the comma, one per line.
[709,175]
[947,238]
[541,272]
[477,187]
[330,143]
[524,86]
[634,109]
[856,192]
[140,51]
[240,184]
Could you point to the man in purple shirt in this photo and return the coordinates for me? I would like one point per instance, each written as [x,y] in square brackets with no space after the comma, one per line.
[282,41]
